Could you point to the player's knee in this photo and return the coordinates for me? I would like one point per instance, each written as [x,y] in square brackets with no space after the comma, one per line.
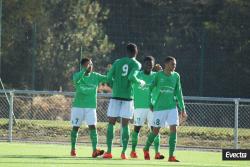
[137,129]
[173,128]
[152,128]
[112,121]
[75,128]
[92,127]
[125,121]
[156,131]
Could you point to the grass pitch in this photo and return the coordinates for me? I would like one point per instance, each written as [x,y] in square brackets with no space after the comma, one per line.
[52,155]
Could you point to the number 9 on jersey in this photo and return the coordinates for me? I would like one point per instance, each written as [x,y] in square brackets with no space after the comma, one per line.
[124,70]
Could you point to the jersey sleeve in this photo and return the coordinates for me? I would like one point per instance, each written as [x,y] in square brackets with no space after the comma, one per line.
[77,77]
[133,74]
[153,91]
[77,80]
[101,78]
[178,94]
[152,84]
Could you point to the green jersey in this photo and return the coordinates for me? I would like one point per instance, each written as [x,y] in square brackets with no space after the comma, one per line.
[122,75]
[86,89]
[142,93]
[168,92]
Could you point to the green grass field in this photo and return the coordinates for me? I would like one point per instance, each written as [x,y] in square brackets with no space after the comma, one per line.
[51,155]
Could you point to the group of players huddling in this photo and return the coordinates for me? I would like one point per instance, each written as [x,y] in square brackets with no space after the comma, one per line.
[143,95]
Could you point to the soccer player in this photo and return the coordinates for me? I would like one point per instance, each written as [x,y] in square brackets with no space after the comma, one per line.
[141,103]
[84,105]
[168,86]
[122,75]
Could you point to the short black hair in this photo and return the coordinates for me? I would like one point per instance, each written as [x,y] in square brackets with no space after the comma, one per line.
[149,58]
[131,47]
[84,60]
[168,59]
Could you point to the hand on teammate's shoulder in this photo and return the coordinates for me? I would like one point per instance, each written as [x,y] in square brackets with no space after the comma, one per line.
[142,83]
[109,66]
[158,68]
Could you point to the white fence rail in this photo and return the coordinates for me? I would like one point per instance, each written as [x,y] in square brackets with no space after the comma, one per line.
[44,116]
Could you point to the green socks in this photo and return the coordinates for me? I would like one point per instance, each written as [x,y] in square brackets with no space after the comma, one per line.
[172,143]
[74,135]
[94,138]
[150,140]
[125,138]
[110,136]
[135,137]
[157,143]
[134,140]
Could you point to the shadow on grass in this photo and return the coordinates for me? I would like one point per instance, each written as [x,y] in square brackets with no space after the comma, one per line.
[60,157]
[67,160]
[80,160]
[43,157]
[128,162]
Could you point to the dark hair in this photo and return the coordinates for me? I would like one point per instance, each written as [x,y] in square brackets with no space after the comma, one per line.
[168,59]
[84,60]
[149,58]
[131,47]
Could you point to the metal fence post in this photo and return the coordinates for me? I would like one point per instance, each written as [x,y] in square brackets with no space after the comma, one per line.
[11,116]
[236,123]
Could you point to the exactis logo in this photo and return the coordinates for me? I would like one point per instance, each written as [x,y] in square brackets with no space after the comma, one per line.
[236,155]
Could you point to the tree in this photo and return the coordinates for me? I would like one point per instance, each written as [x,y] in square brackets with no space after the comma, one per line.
[74,26]
[63,29]
[209,38]
[18,18]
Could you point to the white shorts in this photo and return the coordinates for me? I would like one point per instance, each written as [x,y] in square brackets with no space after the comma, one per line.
[165,118]
[120,108]
[80,115]
[141,115]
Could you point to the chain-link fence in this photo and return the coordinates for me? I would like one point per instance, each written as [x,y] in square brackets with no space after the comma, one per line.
[244,123]
[44,117]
